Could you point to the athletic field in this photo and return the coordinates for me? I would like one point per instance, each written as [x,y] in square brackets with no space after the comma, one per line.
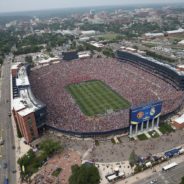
[95,97]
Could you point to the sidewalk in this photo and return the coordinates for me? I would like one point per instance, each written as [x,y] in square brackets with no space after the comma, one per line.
[21,149]
[20,146]
[1,75]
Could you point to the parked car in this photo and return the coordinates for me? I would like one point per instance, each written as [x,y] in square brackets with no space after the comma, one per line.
[1,141]
[13,147]
[14,171]
[5,165]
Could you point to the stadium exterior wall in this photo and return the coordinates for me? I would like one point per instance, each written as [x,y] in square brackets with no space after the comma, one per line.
[89,134]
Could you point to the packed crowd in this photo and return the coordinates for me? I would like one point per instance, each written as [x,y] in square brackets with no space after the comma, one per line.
[133,83]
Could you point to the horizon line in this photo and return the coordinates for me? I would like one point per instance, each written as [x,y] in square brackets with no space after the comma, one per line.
[90,6]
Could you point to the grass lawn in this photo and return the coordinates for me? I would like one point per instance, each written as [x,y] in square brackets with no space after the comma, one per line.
[174,37]
[153,134]
[56,172]
[109,36]
[166,128]
[95,97]
[113,141]
[97,143]
[142,137]
[149,44]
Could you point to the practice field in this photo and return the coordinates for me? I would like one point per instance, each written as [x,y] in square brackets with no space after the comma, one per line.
[109,36]
[95,97]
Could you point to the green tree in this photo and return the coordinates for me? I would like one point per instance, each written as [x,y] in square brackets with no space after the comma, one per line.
[29,59]
[84,174]
[49,147]
[133,158]
[135,47]
[28,49]
[7,40]
[1,61]
[119,37]
[24,160]
[182,180]
[48,48]
[32,161]
[108,52]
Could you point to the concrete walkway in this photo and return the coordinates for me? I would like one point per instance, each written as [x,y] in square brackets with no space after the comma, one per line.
[20,146]
[87,153]
[1,80]
[158,131]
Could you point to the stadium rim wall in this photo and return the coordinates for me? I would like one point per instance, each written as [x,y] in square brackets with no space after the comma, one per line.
[90,134]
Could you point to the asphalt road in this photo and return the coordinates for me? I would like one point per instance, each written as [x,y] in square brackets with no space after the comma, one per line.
[7,152]
[172,176]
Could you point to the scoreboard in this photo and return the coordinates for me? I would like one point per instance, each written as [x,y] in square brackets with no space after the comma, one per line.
[144,113]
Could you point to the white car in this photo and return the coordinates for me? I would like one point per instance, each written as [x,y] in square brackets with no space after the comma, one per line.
[153,181]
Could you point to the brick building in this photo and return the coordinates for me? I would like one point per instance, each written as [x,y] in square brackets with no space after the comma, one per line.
[28,112]
[179,122]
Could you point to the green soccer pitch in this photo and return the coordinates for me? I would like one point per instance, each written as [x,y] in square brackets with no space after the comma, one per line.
[95,97]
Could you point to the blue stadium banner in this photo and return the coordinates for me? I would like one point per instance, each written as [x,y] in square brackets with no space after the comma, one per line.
[144,113]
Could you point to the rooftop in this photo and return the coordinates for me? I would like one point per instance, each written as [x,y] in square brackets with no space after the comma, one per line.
[47,61]
[96,44]
[84,54]
[26,103]
[175,31]
[15,65]
[17,104]
[22,79]
[181,42]
[180,66]
[154,34]
[25,112]
[180,120]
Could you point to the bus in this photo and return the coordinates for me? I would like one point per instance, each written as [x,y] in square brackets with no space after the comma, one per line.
[169,166]
[114,177]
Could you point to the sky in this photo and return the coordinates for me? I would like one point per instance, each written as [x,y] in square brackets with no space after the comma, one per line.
[24,5]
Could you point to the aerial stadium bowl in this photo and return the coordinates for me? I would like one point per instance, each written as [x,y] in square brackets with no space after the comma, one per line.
[94,96]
